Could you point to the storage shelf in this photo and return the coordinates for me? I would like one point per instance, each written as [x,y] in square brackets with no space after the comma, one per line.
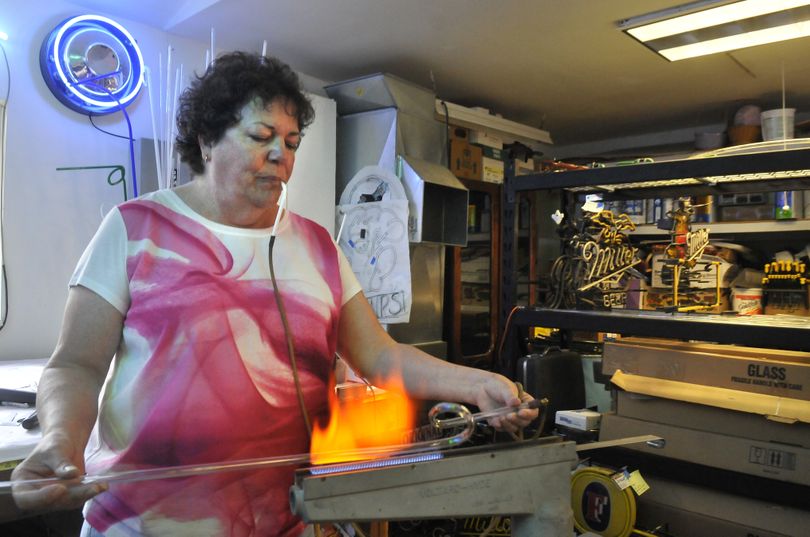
[778,170]
[767,331]
[773,169]
[479,237]
[487,238]
[717,228]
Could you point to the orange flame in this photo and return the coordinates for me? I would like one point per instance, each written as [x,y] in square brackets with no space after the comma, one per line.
[368,419]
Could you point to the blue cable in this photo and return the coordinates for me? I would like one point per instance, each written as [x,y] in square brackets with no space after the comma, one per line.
[123,109]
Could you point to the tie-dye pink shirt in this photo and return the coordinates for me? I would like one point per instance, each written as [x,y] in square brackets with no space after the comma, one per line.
[202,372]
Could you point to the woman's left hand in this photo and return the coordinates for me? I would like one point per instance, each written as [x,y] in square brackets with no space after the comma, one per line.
[497,391]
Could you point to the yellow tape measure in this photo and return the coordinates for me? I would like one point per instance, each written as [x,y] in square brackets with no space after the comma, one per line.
[600,505]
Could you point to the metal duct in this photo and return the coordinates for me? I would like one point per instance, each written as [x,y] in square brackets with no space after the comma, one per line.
[389,122]
[384,121]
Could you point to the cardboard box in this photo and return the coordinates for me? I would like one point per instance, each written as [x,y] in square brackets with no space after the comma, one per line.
[635,294]
[784,409]
[656,299]
[702,274]
[766,371]
[483,138]
[582,420]
[780,462]
[465,160]
[492,152]
[524,167]
[719,348]
[494,165]
[710,418]
[786,302]
[492,170]
[688,510]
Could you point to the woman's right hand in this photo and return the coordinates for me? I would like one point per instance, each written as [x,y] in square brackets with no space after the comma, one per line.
[54,456]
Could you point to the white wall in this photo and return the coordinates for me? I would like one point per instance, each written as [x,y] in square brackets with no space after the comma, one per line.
[49,215]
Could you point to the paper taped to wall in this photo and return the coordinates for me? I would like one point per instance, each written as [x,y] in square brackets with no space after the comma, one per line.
[375,240]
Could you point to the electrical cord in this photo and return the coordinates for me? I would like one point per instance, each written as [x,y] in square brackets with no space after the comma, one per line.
[287,333]
[3,123]
[123,110]
[282,206]
[447,133]
[90,117]
[131,144]
[504,335]
[5,297]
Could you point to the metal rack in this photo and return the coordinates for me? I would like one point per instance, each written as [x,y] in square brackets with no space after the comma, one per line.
[777,170]
[780,332]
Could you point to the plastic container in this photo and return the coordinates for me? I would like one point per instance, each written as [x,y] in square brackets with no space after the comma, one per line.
[747,301]
[744,134]
[709,140]
[778,124]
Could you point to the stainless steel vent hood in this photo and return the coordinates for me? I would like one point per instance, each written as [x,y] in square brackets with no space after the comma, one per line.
[434,196]
[389,122]
[381,90]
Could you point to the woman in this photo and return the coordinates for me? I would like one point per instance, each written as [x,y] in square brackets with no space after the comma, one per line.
[177,286]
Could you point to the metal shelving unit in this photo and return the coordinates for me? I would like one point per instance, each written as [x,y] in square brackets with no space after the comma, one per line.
[773,331]
[737,228]
[775,170]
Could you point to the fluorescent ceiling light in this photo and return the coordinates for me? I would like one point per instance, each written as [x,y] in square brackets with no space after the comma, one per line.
[699,29]
[733,42]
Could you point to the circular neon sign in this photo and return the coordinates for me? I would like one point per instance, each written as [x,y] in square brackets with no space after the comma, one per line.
[91,64]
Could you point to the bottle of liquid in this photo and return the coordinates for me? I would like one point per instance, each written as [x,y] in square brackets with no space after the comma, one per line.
[785,205]
[472,220]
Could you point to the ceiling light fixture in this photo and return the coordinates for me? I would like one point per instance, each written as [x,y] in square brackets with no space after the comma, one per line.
[712,26]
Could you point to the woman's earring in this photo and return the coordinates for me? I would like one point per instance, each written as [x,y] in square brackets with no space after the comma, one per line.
[207,157]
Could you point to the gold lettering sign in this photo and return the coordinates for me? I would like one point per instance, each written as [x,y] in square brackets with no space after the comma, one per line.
[606,262]
[696,242]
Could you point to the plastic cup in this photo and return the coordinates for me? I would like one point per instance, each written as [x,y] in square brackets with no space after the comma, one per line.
[777,124]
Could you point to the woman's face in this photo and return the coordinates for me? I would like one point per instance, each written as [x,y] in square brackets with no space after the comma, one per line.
[253,158]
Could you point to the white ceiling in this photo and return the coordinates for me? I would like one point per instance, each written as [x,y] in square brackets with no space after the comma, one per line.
[560,65]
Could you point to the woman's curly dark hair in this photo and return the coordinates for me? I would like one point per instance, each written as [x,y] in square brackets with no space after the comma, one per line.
[212,103]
